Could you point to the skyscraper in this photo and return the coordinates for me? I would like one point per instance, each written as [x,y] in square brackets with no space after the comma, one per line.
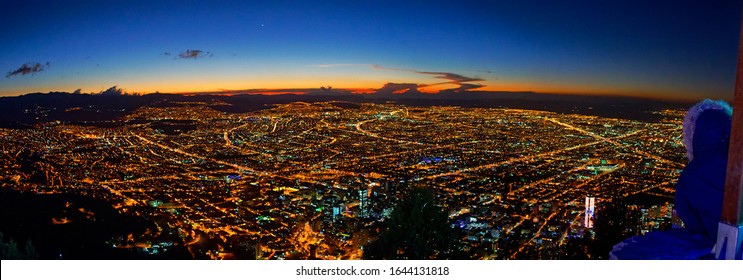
[590,207]
[363,203]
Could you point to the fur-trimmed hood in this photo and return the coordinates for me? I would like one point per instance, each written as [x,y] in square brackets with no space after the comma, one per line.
[707,127]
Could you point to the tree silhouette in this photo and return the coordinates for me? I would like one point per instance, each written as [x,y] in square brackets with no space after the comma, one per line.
[10,251]
[576,248]
[614,223]
[417,229]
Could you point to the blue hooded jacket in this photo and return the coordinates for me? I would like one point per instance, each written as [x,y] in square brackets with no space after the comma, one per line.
[699,190]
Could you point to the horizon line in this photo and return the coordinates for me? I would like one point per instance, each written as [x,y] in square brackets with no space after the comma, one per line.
[372,91]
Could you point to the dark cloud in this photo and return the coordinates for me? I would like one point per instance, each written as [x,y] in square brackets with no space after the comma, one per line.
[194,54]
[166,53]
[114,90]
[398,88]
[28,68]
[464,82]
[453,78]
[462,88]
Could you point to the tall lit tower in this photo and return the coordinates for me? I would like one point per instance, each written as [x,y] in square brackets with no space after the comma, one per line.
[363,203]
[590,208]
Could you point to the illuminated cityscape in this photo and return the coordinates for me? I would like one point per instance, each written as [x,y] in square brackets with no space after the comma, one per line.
[346,130]
[318,179]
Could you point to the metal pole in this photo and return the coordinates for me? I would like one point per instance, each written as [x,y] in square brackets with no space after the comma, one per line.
[730,229]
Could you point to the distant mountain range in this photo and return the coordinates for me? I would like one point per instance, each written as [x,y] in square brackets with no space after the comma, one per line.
[29,109]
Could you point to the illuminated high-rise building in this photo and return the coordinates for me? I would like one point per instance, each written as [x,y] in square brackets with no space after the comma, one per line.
[363,203]
[590,208]
[336,212]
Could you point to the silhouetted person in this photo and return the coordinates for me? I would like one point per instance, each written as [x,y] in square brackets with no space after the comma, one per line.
[700,187]
[699,190]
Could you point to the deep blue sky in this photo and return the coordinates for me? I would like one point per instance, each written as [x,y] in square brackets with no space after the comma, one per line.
[683,49]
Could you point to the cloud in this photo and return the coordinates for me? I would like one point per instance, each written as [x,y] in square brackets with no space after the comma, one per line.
[462,88]
[454,78]
[28,68]
[187,54]
[114,90]
[462,81]
[398,88]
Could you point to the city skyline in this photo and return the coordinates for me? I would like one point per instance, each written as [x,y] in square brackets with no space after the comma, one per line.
[321,180]
[682,51]
[340,130]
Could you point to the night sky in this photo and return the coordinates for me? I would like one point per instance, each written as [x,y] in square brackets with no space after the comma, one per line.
[663,49]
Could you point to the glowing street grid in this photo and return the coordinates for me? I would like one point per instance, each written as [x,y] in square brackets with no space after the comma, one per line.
[319,179]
